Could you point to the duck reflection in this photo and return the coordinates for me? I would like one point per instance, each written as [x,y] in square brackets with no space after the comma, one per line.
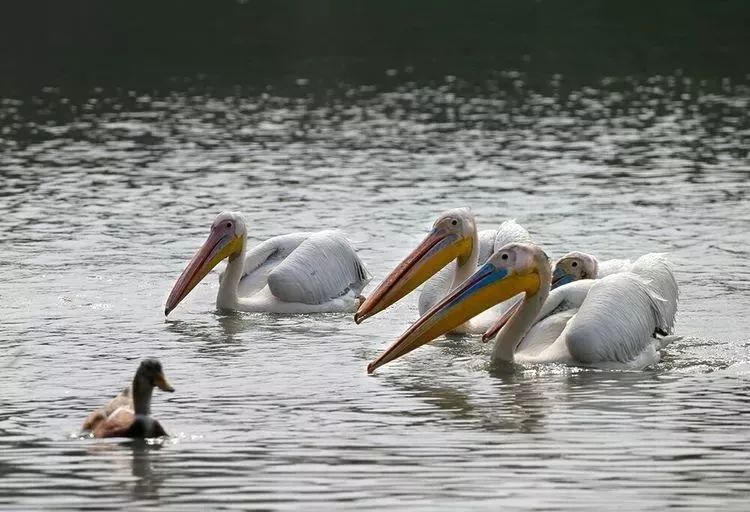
[135,457]
[148,480]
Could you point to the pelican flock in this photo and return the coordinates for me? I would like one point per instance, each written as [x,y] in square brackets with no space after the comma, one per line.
[612,314]
[614,322]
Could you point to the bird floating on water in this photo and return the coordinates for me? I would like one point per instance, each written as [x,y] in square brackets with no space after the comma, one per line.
[612,326]
[446,257]
[316,272]
[129,413]
[572,277]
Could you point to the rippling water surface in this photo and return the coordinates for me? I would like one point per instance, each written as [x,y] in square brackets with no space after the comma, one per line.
[106,196]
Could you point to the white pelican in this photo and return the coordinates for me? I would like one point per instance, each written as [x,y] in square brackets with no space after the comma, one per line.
[572,278]
[297,273]
[613,327]
[445,258]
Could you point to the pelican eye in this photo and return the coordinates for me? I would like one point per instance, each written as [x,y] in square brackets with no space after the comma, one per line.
[229,224]
[574,264]
[454,222]
[504,256]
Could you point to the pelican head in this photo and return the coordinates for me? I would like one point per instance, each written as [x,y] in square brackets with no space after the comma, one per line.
[515,268]
[226,240]
[574,266]
[452,237]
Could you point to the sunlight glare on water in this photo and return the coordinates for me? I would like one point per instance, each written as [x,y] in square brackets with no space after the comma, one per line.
[106,197]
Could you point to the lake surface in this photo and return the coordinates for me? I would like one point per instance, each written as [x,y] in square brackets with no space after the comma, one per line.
[105,196]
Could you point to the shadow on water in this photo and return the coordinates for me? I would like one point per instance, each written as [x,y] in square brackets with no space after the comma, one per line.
[149,480]
[137,458]
[225,330]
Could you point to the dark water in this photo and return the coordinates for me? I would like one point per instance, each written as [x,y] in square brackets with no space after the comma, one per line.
[106,195]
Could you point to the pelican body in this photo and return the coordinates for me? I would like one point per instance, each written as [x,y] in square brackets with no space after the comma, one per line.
[446,257]
[129,413]
[611,325]
[297,273]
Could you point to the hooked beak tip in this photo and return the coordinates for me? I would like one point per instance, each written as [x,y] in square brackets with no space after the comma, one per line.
[167,311]
[370,368]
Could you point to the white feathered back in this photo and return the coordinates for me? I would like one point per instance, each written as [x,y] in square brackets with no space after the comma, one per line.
[486,245]
[657,270]
[323,267]
[609,267]
[616,322]
[491,240]
[510,232]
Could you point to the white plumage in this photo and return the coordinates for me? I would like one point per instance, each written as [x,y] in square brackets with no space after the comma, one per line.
[616,321]
[322,268]
[611,322]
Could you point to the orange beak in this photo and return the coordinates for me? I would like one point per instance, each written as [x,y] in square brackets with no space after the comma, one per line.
[217,247]
[488,286]
[435,252]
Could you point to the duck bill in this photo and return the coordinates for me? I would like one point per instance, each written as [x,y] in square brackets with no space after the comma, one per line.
[560,277]
[486,287]
[435,252]
[507,315]
[163,384]
[217,247]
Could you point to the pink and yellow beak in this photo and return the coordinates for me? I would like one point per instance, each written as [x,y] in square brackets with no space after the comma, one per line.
[435,252]
[218,246]
[488,286]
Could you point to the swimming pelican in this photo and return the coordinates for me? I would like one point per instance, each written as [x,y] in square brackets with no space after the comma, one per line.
[296,273]
[571,281]
[129,413]
[445,258]
[612,328]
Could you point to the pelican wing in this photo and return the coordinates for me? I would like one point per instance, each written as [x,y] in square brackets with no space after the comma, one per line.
[491,240]
[544,332]
[657,270]
[262,259]
[616,321]
[323,267]
[566,297]
[486,244]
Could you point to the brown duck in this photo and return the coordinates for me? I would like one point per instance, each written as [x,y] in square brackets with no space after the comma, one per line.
[129,413]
